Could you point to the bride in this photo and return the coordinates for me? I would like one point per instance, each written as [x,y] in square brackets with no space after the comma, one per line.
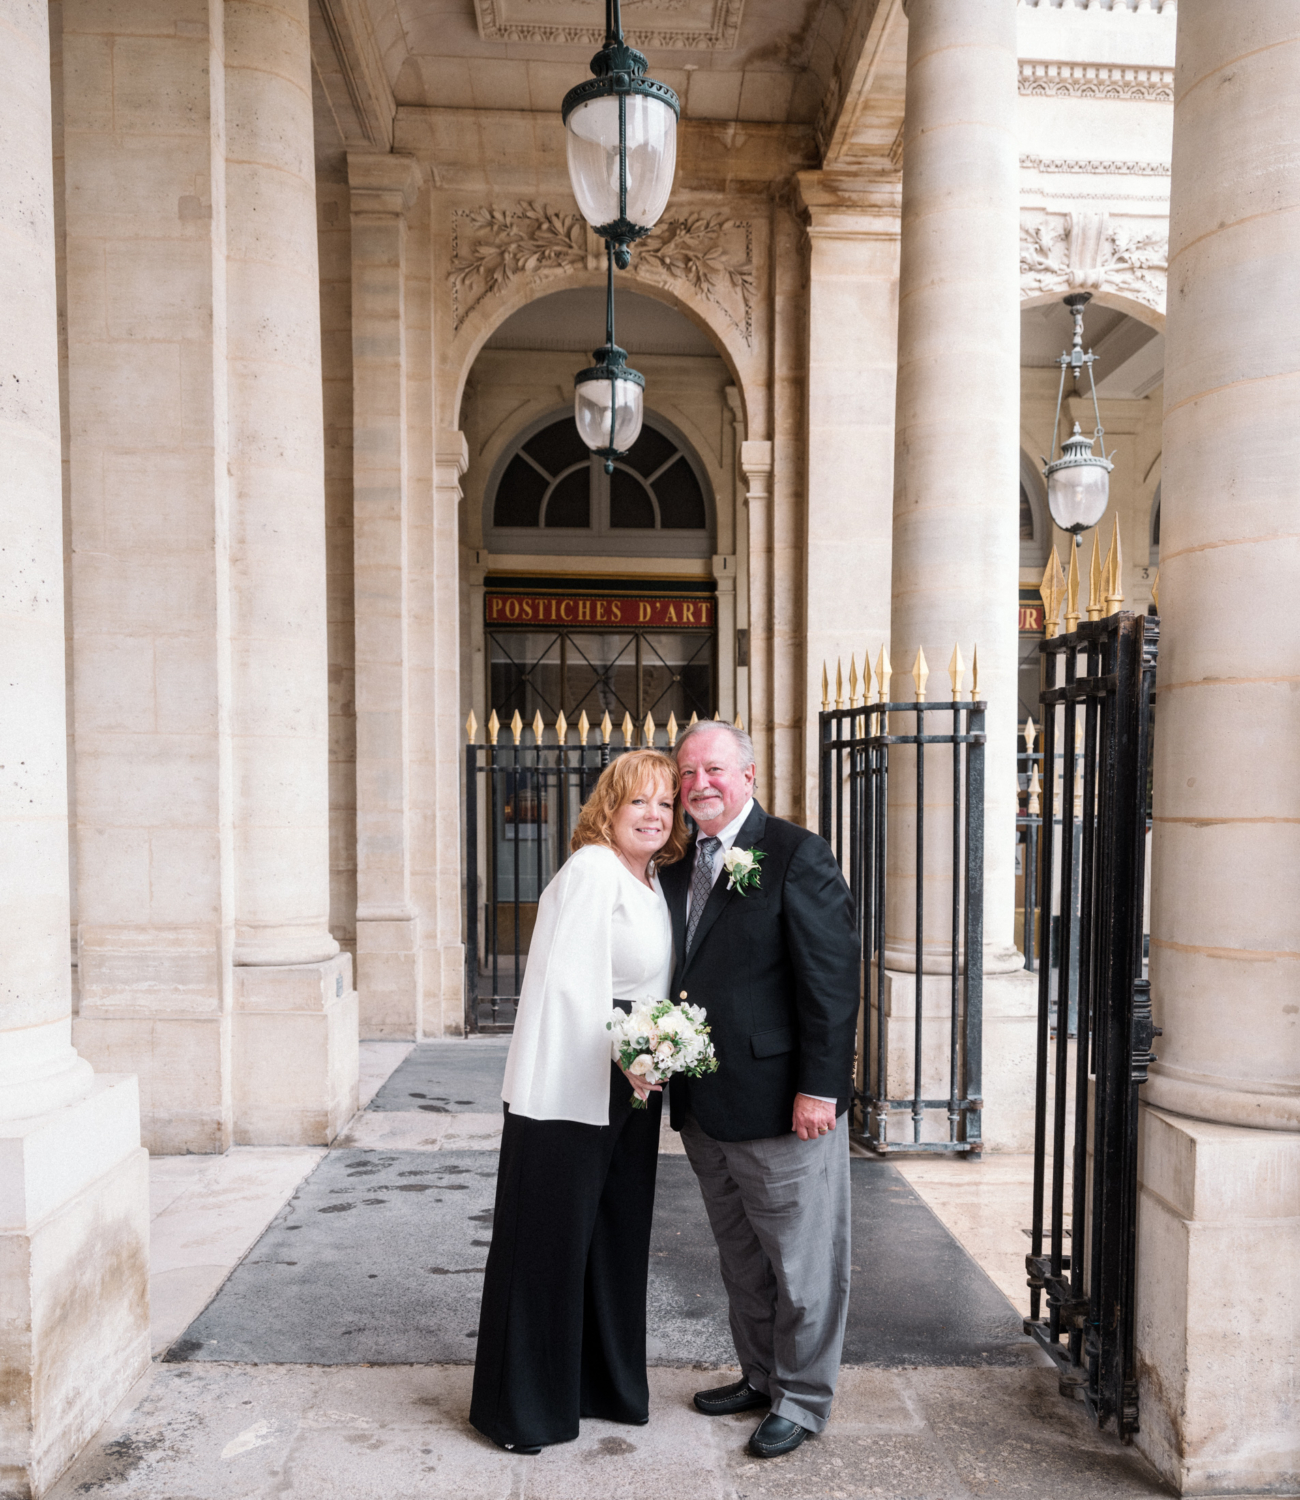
[562,1324]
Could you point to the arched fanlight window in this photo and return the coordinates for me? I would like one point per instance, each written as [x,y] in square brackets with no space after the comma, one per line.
[550,495]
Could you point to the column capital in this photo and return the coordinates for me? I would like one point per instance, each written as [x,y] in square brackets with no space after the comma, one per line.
[755,459]
[862,203]
[451,451]
[384,183]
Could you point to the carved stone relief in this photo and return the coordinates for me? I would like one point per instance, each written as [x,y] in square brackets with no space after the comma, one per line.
[671,24]
[1073,80]
[709,254]
[1090,252]
[1096,166]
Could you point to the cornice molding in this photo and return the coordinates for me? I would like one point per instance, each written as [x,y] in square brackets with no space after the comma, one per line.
[1084,80]
[1094,166]
[494,25]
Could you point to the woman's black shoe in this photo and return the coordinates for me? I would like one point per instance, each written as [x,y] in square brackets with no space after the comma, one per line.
[518,1448]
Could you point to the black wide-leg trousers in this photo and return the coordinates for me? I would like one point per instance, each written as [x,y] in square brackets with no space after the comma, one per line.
[562,1324]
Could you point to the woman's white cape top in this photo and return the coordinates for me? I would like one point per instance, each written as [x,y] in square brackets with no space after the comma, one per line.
[601,935]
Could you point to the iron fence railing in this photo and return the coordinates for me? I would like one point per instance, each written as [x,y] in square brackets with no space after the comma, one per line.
[856,748]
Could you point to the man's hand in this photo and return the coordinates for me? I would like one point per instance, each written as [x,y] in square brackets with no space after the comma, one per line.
[812,1117]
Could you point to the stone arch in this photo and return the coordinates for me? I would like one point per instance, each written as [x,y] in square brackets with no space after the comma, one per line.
[1118,301]
[479,326]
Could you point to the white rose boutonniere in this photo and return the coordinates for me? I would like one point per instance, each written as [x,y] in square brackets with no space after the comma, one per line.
[742,869]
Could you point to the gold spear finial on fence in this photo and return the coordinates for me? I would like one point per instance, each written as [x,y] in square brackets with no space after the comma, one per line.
[1052,590]
[839,683]
[672,729]
[866,678]
[883,673]
[584,727]
[695,719]
[606,728]
[539,729]
[920,672]
[1035,789]
[627,730]
[1155,591]
[826,688]
[561,729]
[516,726]
[1114,573]
[974,673]
[739,723]
[956,671]
[648,731]
[493,727]
[471,727]
[853,681]
[1072,592]
[1094,580]
[1031,734]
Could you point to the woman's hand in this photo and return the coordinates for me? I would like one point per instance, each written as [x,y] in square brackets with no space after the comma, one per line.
[640,1087]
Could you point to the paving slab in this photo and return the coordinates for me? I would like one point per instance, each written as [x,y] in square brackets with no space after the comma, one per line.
[378,1258]
[447,1077]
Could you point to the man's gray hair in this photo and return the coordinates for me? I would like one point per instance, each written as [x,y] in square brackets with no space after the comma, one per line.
[744,745]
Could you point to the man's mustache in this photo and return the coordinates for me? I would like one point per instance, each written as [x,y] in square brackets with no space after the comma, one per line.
[702,796]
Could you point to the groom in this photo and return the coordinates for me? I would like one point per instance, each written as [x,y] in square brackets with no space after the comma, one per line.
[774,961]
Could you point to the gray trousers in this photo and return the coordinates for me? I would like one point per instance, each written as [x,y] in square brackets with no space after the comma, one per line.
[779,1210]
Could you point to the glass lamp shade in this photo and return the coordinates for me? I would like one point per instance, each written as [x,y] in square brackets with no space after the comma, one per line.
[1078,485]
[597,393]
[593,146]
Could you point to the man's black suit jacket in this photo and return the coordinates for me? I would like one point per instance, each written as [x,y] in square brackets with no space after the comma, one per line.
[777,970]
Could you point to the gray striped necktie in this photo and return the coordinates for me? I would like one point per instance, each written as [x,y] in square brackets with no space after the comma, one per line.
[701,882]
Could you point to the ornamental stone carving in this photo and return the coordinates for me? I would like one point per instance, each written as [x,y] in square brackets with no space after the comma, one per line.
[674,25]
[1095,166]
[1090,252]
[710,255]
[1074,80]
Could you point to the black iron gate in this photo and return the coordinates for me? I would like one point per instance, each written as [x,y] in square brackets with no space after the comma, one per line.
[1088,1104]
[854,787]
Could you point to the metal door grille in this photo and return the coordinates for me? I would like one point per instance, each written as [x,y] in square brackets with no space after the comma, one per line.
[1105,670]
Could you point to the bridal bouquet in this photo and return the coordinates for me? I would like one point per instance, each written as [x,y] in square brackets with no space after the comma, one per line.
[659,1039]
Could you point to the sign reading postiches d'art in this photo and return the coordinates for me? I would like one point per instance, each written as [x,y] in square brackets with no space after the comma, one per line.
[593,609]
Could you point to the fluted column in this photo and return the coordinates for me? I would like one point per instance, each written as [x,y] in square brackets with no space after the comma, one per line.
[383,191]
[73,1187]
[956,521]
[278,635]
[755,465]
[295,1034]
[853,228]
[1219,1224]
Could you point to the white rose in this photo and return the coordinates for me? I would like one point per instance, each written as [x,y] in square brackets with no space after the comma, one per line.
[738,861]
[642,1066]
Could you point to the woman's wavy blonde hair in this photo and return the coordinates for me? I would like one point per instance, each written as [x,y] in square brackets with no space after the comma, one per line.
[619,782]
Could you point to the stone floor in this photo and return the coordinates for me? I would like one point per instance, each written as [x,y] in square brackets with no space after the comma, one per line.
[324,1423]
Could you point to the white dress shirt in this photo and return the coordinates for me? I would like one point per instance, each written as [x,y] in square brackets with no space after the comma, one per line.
[728,839]
[601,935]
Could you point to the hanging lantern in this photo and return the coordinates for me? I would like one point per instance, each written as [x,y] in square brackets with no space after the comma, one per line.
[621,129]
[1078,482]
[608,404]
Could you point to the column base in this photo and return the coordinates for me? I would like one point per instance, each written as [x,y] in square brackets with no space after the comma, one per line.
[74,1278]
[183,1067]
[1218,1305]
[390,978]
[1010,1011]
[294,1053]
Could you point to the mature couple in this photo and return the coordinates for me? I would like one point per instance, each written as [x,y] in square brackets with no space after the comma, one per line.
[638,912]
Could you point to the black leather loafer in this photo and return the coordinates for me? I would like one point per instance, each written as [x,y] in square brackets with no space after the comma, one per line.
[728,1399]
[776,1435]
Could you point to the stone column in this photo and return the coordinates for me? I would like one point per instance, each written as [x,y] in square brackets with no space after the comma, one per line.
[296,1028]
[852,360]
[389,978]
[74,1218]
[1219,1220]
[956,498]
[755,463]
[145,242]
